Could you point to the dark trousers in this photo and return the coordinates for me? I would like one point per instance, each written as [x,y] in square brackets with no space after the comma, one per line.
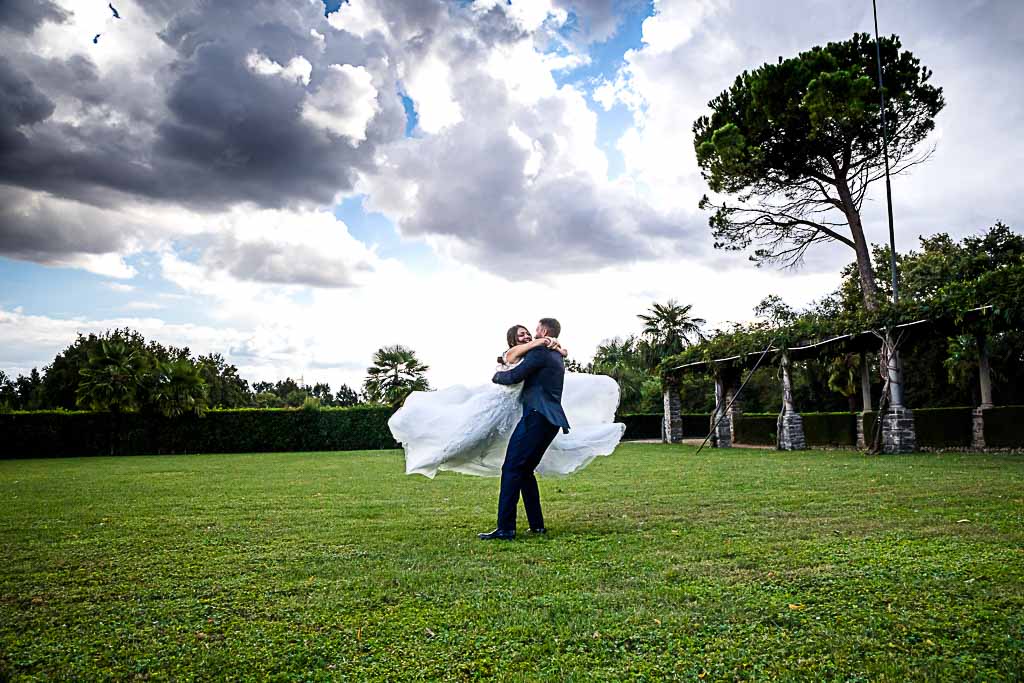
[529,441]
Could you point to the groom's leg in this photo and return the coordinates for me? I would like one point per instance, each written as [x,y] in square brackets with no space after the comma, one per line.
[544,433]
[512,476]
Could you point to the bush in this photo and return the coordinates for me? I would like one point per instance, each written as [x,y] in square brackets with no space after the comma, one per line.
[1004,427]
[944,427]
[696,425]
[758,429]
[830,429]
[641,425]
[63,434]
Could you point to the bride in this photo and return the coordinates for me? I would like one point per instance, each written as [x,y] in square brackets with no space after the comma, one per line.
[467,429]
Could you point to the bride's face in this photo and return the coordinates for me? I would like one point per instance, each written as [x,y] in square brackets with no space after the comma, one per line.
[523,336]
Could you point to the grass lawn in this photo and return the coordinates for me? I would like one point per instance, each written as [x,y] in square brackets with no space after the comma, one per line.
[739,564]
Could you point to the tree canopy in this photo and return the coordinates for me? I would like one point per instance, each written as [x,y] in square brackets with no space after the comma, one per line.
[798,143]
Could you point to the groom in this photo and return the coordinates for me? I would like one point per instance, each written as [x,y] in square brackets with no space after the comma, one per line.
[543,374]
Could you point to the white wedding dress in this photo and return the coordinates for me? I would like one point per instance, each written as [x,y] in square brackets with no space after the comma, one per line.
[467,429]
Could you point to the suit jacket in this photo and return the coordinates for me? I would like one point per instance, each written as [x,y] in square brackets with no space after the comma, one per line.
[542,373]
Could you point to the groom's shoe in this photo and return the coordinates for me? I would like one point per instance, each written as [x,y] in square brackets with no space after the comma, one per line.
[498,534]
[541,531]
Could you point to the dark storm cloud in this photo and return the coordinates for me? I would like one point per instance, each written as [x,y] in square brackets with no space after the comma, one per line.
[203,130]
[45,231]
[22,103]
[24,16]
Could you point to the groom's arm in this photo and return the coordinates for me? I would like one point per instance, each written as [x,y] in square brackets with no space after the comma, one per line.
[532,362]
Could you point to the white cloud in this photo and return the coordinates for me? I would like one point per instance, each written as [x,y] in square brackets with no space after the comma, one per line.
[358,17]
[344,103]
[297,69]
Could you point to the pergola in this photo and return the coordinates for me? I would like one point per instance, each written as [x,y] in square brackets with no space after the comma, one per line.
[897,421]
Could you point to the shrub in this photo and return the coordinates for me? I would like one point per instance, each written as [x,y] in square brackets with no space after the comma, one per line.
[944,427]
[60,434]
[830,429]
[696,425]
[641,425]
[1004,427]
[756,429]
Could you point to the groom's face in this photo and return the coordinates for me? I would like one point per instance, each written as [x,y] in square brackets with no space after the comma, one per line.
[541,331]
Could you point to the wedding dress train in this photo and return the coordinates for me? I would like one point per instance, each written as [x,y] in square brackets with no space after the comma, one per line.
[467,429]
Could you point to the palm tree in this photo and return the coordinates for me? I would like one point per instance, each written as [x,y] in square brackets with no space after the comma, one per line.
[180,388]
[111,381]
[668,329]
[394,374]
[621,360]
[112,378]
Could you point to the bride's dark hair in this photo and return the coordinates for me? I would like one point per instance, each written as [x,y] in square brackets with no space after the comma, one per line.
[510,337]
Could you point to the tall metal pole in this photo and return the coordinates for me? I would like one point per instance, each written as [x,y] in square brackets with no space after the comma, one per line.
[885,154]
[892,357]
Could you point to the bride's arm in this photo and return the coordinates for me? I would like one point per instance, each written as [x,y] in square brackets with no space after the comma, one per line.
[520,350]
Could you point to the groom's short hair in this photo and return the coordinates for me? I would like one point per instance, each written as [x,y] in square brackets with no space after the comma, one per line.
[553,327]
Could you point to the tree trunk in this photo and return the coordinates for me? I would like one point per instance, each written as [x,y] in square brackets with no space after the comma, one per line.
[869,288]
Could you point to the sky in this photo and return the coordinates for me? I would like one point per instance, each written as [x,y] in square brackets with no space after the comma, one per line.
[295,185]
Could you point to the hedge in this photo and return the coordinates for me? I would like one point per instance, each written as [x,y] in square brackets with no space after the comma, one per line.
[944,427]
[641,425]
[648,425]
[696,425]
[1004,427]
[830,429]
[64,434]
[756,429]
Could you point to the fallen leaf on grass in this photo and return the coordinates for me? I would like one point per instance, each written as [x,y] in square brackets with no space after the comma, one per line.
[793,606]
[430,634]
[962,521]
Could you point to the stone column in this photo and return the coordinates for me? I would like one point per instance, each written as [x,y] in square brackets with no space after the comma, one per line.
[735,407]
[865,392]
[985,378]
[721,436]
[790,426]
[898,434]
[672,421]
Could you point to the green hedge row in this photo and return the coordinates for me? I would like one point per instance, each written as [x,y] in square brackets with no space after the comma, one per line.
[1004,427]
[641,425]
[696,425]
[944,427]
[758,429]
[830,429]
[58,434]
[648,425]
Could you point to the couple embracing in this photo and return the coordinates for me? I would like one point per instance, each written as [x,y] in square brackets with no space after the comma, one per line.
[514,427]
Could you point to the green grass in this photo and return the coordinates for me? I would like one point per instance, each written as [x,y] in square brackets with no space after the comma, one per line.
[738,564]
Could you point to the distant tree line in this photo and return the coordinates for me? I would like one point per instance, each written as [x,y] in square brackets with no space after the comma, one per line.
[120,371]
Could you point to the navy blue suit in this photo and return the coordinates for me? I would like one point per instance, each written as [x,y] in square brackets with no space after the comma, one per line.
[542,373]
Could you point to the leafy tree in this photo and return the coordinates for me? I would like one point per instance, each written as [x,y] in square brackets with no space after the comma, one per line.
[287,386]
[262,387]
[180,388]
[346,396]
[8,393]
[395,373]
[268,399]
[113,378]
[798,144]
[623,361]
[295,398]
[573,365]
[225,389]
[322,392]
[30,390]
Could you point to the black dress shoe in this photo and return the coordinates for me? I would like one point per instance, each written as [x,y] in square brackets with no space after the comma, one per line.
[498,534]
[541,531]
